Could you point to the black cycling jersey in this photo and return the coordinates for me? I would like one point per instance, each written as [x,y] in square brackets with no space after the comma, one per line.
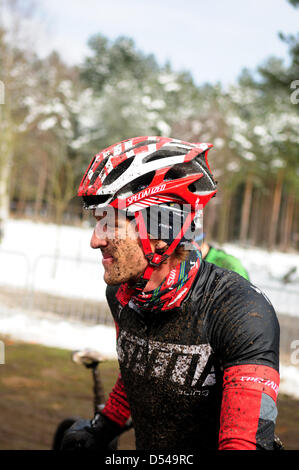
[204,375]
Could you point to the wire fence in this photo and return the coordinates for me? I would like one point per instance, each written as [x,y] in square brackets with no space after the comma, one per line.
[51,284]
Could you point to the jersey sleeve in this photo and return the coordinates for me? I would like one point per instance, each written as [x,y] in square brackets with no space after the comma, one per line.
[117,407]
[248,409]
[244,333]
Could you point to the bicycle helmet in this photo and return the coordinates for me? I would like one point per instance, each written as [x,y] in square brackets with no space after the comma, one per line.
[140,173]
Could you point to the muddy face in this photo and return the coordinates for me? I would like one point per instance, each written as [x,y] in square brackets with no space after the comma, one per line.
[123,257]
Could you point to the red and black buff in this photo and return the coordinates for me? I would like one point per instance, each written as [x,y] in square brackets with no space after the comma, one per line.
[170,293]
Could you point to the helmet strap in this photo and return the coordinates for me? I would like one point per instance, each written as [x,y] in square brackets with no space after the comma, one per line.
[155,259]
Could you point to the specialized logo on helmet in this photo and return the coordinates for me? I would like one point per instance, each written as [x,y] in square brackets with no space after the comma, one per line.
[146,193]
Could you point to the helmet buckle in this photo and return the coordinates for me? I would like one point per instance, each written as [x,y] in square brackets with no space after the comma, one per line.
[155,259]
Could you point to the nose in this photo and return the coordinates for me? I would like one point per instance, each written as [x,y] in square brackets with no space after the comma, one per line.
[97,242]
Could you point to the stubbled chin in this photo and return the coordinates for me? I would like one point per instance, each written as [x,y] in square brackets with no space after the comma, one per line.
[112,280]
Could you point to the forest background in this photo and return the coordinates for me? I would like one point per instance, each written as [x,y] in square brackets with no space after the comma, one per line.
[54,117]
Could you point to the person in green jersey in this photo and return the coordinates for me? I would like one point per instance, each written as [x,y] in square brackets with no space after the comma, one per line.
[222,259]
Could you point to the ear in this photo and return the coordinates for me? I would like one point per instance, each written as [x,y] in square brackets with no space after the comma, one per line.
[160,245]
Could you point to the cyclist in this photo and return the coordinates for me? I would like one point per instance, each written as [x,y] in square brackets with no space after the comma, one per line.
[198,345]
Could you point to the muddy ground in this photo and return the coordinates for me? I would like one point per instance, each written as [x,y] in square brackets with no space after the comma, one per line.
[40,386]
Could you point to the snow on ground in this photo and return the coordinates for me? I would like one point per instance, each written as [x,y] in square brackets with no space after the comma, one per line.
[59,260]
[267,268]
[52,259]
[289,380]
[46,329]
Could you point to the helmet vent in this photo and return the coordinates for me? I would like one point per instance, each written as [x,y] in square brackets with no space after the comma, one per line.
[142,182]
[143,144]
[192,188]
[162,154]
[98,171]
[174,173]
[90,201]
[138,184]
[118,171]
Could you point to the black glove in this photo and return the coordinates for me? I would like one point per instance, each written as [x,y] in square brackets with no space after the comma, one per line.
[96,434]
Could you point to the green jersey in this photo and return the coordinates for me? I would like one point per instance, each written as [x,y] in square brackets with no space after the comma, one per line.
[224,260]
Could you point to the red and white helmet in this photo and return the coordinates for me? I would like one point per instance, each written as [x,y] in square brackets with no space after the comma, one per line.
[141,172]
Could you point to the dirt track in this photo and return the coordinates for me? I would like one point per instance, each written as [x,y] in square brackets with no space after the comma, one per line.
[40,386]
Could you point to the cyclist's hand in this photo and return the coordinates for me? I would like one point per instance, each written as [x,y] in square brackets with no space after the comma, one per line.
[90,435]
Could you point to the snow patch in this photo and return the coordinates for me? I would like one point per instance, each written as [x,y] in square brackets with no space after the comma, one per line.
[53,332]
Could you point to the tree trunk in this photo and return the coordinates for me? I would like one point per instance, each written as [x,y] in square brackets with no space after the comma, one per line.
[6,156]
[41,186]
[254,220]
[223,216]
[209,219]
[263,215]
[288,222]
[22,196]
[275,211]
[281,219]
[246,206]
[295,226]
[4,195]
